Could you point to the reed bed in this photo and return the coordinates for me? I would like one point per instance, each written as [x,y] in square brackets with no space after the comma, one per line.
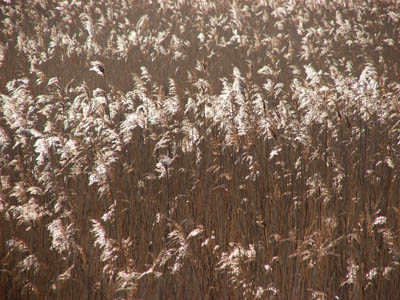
[199,149]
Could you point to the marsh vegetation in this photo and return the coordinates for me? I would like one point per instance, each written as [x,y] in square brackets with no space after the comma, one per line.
[199,149]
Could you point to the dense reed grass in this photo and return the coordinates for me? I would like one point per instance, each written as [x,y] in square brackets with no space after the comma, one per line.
[199,149]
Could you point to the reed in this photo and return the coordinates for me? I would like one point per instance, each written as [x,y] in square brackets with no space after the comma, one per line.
[219,150]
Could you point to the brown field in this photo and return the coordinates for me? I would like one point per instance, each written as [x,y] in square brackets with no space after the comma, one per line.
[199,149]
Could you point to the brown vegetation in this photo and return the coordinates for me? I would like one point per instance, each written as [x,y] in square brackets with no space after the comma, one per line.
[199,149]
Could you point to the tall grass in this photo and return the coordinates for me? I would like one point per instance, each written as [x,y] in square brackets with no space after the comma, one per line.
[206,150]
